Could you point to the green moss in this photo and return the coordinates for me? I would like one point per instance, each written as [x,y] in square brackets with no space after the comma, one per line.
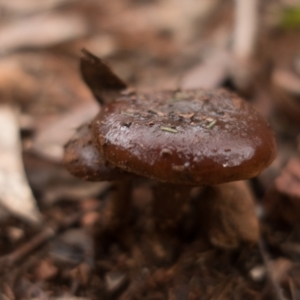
[291,18]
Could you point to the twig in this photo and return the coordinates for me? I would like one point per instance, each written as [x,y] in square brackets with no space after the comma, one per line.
[222,293]
[245,29]
[31,245]
[44,236]
[292,289]
[276,288]
[244,42]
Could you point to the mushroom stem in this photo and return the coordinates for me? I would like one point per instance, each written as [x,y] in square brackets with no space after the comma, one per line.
[117,212]
[227,214]
[168,206]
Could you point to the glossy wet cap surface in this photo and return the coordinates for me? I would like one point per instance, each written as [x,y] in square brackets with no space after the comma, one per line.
[191,137]
[83,160]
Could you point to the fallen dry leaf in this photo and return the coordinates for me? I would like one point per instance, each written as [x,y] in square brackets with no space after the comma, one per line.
[15,193]
[41,31]
[50,140]
[287,80]
[25,7]
[210,74]
[282,202]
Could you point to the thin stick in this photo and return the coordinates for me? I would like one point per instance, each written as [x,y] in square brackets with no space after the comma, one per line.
[245,29]
[41,238]
[276,288]
[292,289]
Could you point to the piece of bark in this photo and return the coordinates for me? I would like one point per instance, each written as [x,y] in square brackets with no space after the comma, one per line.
[15,193]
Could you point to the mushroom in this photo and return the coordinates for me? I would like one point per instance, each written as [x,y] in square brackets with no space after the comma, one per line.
[183,139]
[82,159]
[179,139]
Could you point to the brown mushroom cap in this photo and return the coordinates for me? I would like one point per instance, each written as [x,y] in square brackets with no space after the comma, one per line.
[191,137]
[83,160]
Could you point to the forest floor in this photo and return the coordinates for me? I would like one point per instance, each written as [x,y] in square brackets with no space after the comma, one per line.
[51,242]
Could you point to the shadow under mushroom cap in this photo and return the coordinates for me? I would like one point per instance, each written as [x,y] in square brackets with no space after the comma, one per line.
[191,137]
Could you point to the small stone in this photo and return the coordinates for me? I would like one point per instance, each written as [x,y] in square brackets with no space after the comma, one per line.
[258,273]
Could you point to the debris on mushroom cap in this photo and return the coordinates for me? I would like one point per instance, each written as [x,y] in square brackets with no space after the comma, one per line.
[192,137]
[83,160]
[104,84]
